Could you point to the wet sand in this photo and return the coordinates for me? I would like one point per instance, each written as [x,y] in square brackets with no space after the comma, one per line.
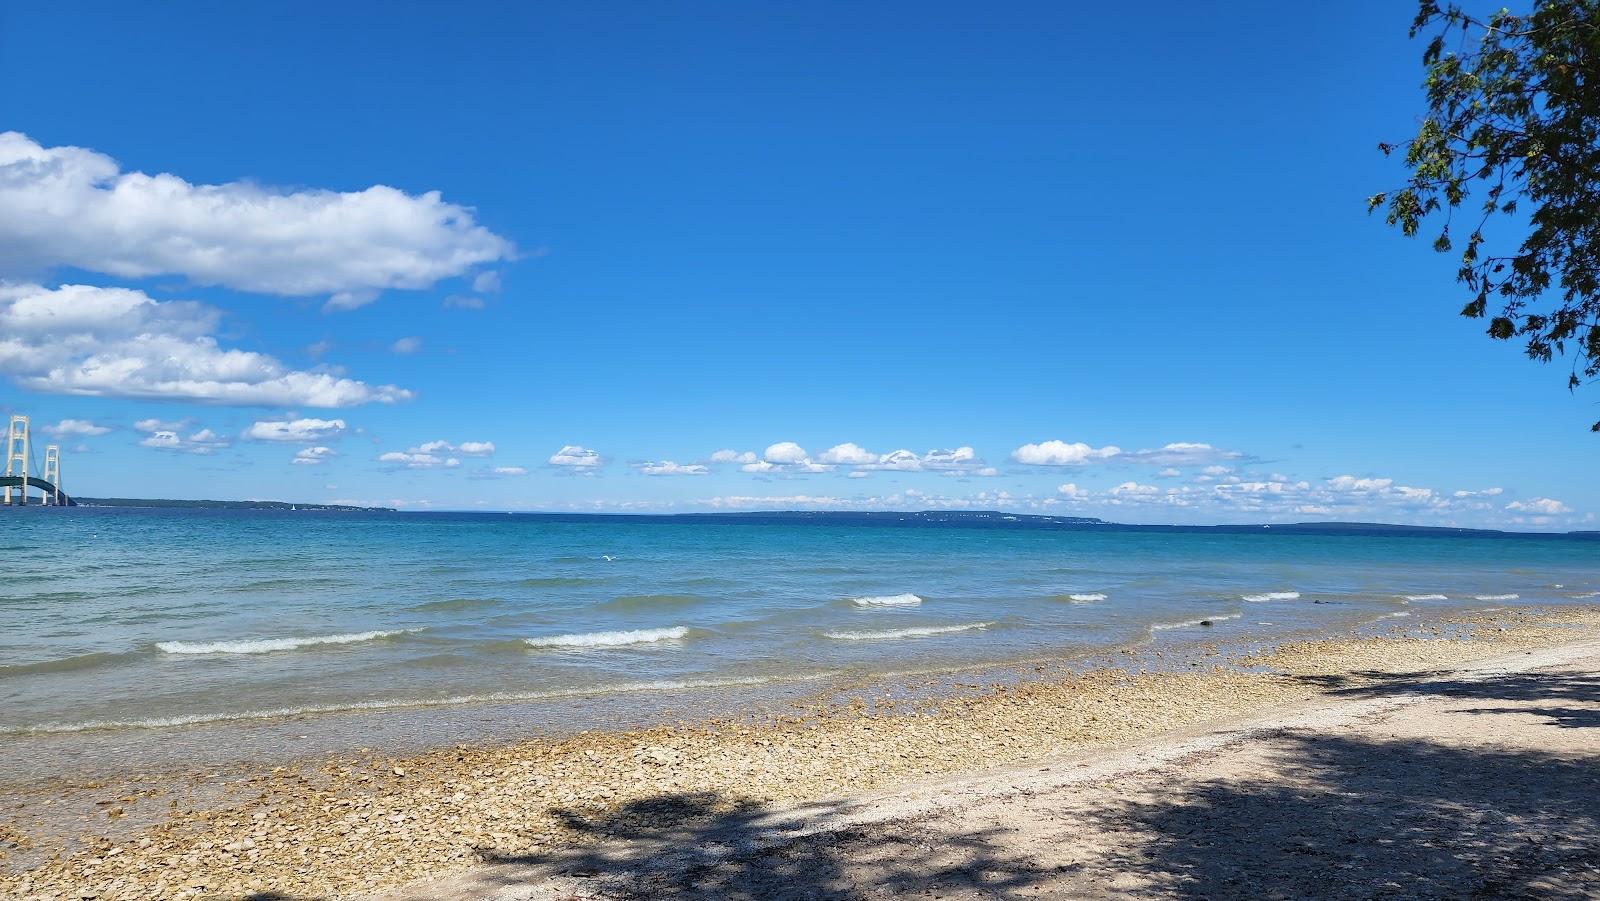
[1363,756]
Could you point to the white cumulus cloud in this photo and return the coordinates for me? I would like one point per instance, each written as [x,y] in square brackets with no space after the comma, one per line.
[960,461]
[75,428]
[1062,453]
[785,452]
[417,460]
[848,454]
[1181,453]
[576,457]
[116,342]
[669,468]
[783,458]
[1543,506]
[465,448]
[1352,483]
[71,206]
[301,431]
[202,442]
[311,456]
[1077,453]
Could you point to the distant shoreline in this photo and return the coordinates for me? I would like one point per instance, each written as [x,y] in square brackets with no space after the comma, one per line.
[992,519]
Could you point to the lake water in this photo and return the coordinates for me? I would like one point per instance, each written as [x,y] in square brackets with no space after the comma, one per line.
[151,621]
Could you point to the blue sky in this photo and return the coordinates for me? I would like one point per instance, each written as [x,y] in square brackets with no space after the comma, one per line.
[1033,246]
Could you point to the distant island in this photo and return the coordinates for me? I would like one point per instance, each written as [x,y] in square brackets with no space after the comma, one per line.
[1001,520]
[226,505]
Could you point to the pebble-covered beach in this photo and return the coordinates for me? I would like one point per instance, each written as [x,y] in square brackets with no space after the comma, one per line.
[320,827]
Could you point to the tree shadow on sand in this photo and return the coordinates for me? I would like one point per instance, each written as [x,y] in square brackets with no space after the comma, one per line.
[1311,813]
[1360,817]
[1346,814]
[1556,694]
[702,846]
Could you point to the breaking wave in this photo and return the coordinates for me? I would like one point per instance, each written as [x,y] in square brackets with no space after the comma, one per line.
[1270,596]
[263,645]
[1086,598]
[608,639]
[913,632]
[1495,597]
[1184,624]
[892,600]
[1425,597]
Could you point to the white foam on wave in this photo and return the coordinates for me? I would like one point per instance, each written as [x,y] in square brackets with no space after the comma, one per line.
[1270,596]
[1425,597]
[507,697]
[1395,615]
[1586,594]
[1495,597]
[1162,627]
[608,639]
[889,600]
[913,632]
[264,645]
[1092,596]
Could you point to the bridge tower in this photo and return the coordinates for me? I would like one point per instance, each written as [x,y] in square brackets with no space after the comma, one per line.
[17,457]
[52,473]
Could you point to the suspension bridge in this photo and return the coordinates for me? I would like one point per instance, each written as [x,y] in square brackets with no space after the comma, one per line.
[15,483]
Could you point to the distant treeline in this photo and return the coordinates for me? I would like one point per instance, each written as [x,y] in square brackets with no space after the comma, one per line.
[969,519]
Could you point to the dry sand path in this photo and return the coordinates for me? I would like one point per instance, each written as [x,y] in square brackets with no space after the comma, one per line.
[1478,782]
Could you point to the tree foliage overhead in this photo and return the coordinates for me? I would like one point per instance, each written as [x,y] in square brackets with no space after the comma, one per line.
[1513,129]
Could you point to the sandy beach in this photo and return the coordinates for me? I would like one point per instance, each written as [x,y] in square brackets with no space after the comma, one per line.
[1437,759]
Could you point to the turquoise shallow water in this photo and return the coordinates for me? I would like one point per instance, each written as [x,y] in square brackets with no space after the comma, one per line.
[155,620]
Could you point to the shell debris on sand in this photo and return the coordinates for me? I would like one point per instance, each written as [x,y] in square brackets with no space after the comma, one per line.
[314,828]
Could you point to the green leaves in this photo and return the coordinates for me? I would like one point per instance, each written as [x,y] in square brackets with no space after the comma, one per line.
[1513,112]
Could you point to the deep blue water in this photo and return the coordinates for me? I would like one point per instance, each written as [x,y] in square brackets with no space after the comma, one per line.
[152,619]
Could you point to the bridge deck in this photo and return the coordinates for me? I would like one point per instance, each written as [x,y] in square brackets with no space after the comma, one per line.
[42,485]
